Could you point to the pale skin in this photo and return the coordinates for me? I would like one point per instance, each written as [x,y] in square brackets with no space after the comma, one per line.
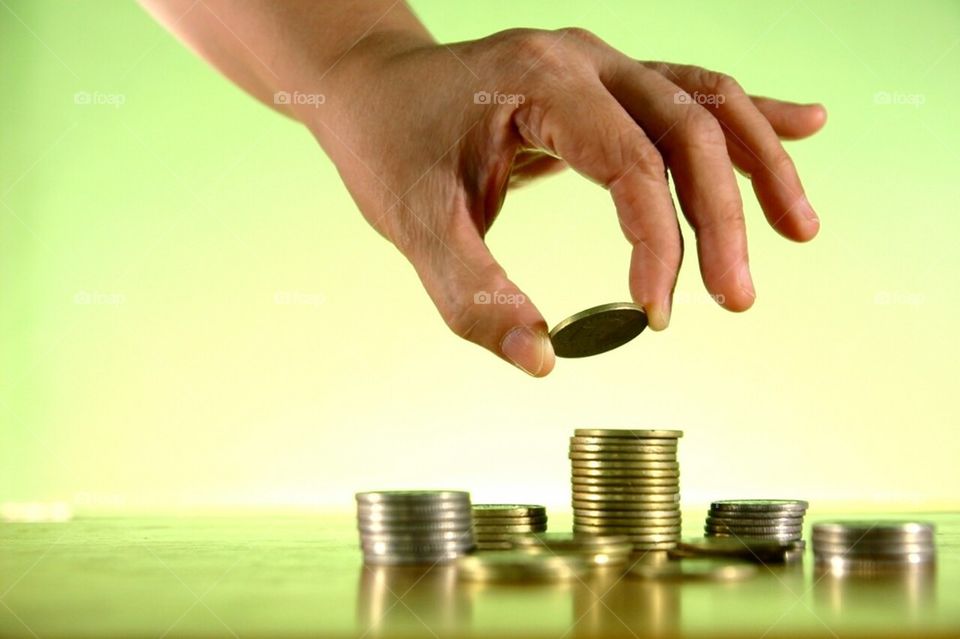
[428,163]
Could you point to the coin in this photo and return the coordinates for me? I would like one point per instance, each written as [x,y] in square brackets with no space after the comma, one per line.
[414,527]
[653,545]
[412,497]
[494,545]
[762,550]
[482,529]
[871,550]
[647,498]
[695,570]
[629,434]
[623,465]
[625,442]
[508,510]
[626,490]
[755,531]
[591,449]
[595,510]
[621,483]
[520,566]
[372,547]
[598,550]
[626,506]
[636,537]
[399,512]
[611,529]
[755,521]
[753,537]
[759,505]
[559,539]
[598,329]
[621,474]
[623,457]
[625,522]
[874,529]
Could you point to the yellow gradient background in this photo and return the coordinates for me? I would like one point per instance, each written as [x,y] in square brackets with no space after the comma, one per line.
[194,315]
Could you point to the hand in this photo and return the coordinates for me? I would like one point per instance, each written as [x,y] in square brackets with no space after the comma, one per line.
[428,138]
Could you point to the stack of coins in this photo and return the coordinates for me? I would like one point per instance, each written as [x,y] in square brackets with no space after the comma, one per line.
[627,482]
[774,519]
[495,524]
[869,545]
[414,527]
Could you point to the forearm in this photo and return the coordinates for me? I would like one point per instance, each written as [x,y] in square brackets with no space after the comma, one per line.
[293,46]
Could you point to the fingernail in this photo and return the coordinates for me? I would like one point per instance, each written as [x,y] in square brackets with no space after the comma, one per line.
[662,314]
[806,210]
[527,348]
[746,282]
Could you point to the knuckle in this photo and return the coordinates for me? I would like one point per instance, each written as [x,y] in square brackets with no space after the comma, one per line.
[720,83]
[701,128]
[626,153]
[533,45]
[726,217]
[462,316]
[579,34]
[781,163]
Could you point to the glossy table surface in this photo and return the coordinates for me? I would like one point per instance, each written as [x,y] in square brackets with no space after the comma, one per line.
[276,576]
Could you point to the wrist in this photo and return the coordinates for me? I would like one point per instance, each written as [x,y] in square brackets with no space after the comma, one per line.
[335,87]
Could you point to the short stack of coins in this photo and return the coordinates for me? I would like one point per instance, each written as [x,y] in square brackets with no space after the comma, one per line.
[495,524]
[778,520]
[414,526]
[627,482]
[856,546]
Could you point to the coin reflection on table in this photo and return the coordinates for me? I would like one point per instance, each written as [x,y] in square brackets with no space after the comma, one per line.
[609,603]
[430,598]
[909,590]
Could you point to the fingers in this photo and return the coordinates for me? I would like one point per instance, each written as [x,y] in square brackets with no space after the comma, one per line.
[790,120]
[694,147]
[473,294]
[592,133]
[753,145]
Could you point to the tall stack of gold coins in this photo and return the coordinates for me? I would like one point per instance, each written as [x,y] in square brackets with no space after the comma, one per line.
[627,482]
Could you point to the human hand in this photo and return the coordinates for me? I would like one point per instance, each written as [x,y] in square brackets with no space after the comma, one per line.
[428,153]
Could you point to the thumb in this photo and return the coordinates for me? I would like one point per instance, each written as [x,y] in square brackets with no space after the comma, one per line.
[477,300]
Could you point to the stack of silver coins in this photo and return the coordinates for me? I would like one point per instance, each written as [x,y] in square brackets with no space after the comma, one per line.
[772,519]
[414,526]
[495,524]
[627,482]
[870,545]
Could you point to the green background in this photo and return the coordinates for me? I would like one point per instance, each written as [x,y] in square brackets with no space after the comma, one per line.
[194,315]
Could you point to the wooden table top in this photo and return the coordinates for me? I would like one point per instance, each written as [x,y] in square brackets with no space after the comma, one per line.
[302,575]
